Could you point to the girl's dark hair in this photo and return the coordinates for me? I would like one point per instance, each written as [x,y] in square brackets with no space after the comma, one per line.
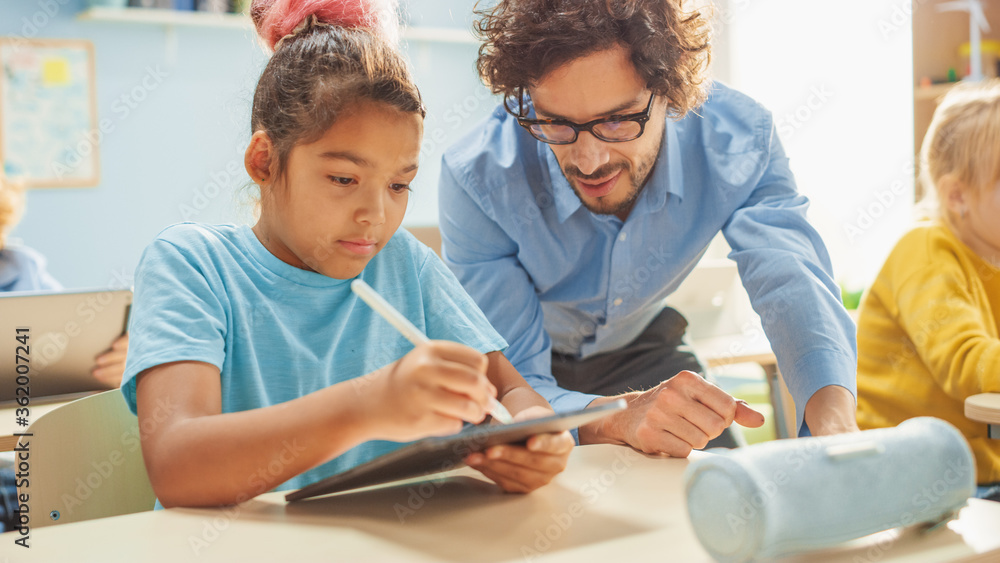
[318,73]
[525,39]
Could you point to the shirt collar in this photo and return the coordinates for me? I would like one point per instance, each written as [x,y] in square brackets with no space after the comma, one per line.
[280,268]
[668,173]
[666,177]
[566,199]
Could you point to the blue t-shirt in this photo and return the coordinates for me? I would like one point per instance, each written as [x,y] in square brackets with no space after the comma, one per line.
[23,269]
[215,294]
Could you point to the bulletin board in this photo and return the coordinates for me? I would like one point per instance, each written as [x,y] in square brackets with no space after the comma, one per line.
[48,113]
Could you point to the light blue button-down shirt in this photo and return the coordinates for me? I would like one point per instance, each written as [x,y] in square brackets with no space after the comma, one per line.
[551,275]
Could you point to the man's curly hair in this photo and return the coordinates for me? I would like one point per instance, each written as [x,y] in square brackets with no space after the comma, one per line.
[525,39]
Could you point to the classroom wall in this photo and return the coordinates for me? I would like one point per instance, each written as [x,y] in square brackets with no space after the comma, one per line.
[178,100]
[177,154]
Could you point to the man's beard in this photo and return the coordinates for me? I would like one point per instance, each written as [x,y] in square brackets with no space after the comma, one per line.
[634,180]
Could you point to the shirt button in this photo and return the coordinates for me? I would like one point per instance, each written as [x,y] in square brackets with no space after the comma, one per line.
[618,301]
[622,237]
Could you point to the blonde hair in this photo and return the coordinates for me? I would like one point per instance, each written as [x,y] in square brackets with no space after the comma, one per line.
[11,206]
[963,140]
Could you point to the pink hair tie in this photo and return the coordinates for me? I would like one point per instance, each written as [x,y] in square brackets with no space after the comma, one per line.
[304,25]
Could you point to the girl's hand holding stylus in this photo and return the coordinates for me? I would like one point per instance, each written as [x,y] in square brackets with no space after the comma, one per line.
[431,390]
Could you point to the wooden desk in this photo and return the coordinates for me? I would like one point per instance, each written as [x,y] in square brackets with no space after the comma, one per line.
[612,504]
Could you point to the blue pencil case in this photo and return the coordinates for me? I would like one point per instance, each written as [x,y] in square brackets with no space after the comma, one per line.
[781,498]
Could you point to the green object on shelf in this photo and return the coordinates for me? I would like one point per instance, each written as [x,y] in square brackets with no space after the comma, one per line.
[851,299]
[952,75]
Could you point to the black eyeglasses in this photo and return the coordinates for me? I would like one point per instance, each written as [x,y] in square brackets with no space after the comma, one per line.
[613,129]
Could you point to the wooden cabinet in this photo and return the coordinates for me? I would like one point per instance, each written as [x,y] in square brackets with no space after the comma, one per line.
[937,37]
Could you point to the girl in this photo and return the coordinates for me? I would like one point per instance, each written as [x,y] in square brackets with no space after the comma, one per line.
[253,366]
[928,326]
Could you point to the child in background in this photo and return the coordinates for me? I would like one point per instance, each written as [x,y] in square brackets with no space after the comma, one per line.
[253,366]
[928,326]
[23,269]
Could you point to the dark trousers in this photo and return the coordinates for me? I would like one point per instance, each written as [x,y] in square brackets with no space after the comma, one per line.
[656,355]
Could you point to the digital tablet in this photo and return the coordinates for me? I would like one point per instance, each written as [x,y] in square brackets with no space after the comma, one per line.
[57,335]
[432,455]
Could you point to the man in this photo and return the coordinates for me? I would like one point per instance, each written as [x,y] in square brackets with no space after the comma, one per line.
[593,191]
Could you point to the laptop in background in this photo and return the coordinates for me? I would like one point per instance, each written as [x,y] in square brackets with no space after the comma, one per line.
[66,330]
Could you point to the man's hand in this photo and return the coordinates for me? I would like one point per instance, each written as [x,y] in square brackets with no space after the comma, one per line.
[522,469]
[831,410]
[675,417]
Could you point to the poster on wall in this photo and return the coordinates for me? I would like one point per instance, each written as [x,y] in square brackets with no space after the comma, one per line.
[48,113]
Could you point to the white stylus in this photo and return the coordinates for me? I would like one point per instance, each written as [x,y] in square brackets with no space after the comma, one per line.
[412,333]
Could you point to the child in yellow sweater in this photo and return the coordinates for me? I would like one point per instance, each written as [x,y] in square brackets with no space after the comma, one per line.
[928,326]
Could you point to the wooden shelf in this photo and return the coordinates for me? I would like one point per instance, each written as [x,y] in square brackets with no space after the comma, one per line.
[152,16]
[937,38]
[155,16]
[439,35]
